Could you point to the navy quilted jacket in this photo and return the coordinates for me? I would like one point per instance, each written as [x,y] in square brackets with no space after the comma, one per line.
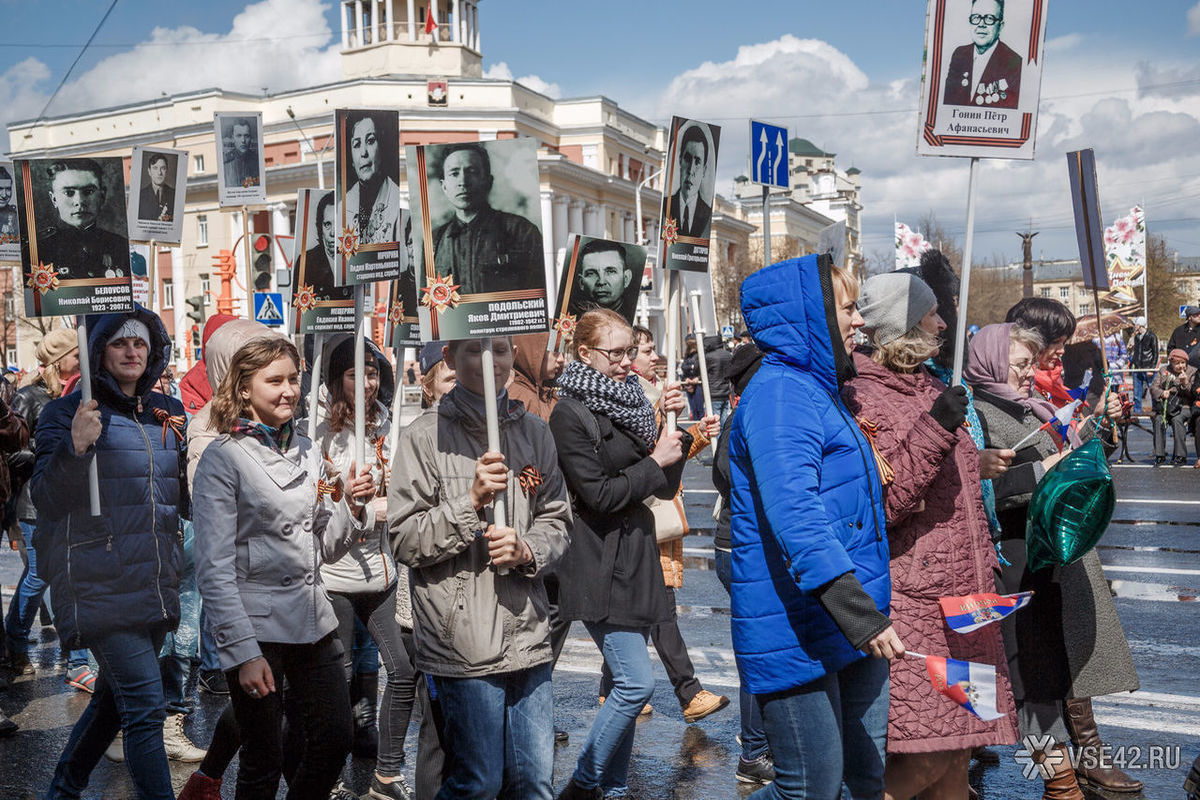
[118,571]
[806,500]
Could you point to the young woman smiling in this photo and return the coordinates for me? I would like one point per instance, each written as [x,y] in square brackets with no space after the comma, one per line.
[269,524]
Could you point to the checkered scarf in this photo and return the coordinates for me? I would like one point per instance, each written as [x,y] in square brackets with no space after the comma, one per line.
[623,403]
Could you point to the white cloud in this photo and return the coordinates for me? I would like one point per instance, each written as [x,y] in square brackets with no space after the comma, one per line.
[1064,42]
[1193,18]
[501,71]
[273,44]
[20,92]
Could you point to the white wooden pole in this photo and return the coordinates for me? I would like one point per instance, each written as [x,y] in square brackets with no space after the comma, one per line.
[85,388]
[964,291]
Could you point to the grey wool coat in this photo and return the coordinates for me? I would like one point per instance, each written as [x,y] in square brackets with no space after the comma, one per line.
[1068,643]
[262,534]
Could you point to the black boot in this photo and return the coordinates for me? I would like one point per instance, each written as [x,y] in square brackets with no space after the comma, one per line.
[366,734]
[1082,727]
[574,792]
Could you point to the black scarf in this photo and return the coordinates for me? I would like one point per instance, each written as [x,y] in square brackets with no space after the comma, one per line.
[623,403]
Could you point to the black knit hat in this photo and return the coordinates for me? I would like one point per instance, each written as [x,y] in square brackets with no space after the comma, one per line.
[342,359]
[745,362]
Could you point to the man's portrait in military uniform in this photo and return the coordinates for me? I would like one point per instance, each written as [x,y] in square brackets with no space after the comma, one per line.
[156,201]
[241,151]
[8,209]
[71,233]
[987,72]
[607,275]
[693,179]
[487,241]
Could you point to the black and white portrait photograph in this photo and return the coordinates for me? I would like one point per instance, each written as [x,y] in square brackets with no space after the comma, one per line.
[157,194]
[10,229]
[368,192]
[403,326]
[690,183]
[477,219]
[321,305]
[243,165]
[982,77]
[74,243]
[600,273]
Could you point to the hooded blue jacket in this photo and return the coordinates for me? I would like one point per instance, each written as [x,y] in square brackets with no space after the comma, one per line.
[806,500]
[118,571]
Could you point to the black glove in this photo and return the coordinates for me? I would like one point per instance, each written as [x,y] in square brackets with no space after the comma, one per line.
[950,409]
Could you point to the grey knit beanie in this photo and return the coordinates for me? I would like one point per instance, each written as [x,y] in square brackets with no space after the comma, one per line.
[892,304]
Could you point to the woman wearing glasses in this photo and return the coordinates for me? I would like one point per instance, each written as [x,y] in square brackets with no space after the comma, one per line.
[613,457]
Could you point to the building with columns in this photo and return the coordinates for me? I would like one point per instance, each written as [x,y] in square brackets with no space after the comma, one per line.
[592,155]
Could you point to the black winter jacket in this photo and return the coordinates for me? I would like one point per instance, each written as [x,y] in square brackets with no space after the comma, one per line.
[119,571]
[28,403]
[1143,351]
[611,572]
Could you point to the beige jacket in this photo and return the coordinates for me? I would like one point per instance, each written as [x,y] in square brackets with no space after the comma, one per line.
[468,620]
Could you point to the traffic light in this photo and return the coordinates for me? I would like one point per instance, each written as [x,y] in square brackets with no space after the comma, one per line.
[196,303]
[262,262]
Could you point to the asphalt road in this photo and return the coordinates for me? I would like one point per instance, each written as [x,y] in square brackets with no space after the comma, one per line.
[1152,558]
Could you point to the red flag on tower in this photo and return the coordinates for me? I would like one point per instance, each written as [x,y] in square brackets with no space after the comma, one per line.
[430,19]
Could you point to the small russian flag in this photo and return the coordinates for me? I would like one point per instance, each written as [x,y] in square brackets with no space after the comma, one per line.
[971,612]
[971,685]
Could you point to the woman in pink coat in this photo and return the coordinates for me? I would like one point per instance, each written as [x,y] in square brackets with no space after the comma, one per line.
[937,533]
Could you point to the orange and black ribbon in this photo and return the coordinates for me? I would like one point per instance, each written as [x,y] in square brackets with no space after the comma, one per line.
[173,423]
[886,473]
[331,490]
[530,479]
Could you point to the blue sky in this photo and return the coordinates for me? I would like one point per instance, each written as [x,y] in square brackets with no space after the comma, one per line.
[813,66]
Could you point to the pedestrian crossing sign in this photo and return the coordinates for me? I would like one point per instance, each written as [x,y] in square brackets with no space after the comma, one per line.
[268,308]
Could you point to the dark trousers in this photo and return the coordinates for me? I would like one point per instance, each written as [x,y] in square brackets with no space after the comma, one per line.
[431,743]
[318,703]
[1179,428]
[672,651]
[377,611]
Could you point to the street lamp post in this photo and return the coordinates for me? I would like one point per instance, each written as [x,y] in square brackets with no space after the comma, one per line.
[312,148]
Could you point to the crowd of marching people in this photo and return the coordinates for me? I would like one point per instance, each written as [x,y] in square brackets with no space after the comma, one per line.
[861,486]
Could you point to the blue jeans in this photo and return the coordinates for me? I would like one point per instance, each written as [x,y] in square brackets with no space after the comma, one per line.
[754,738]
[849,706]
[25,604]
[604,758]
[722,408]
[513,708]
[209,661]
[1141,382]
[128,698]
[181,647]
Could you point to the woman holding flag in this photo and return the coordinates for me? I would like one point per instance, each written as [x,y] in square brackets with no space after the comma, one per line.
[1069,643]
[938,537]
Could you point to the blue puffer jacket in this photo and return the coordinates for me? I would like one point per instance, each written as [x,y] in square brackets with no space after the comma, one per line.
[806,501]
[118,571]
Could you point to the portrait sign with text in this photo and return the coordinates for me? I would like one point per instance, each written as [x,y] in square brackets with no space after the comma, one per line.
[74,236]
[10,224]
[982,78]
[157,194]
[477,239]
[243,168]
[321,305]
[596,273]
[368,196]
[690,184]
[403,327]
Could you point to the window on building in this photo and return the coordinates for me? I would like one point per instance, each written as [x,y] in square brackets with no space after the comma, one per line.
[1064,292]
[168,293]
[205,288]
[10,309]
[10,353]
[1044,291]
[1085,309]
[201,230]
[198,163]
[1084,292]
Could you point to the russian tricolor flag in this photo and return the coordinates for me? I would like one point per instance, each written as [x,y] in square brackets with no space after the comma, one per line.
[971,612]
[971,685]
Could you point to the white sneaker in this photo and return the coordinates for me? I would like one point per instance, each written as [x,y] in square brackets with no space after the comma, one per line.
[178,746]
[116,750]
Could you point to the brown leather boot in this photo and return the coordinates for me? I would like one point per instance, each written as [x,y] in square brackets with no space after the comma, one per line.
[1062,786]
[1094,767]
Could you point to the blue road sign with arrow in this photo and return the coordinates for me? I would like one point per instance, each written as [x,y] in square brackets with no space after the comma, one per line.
[768,154]
[268,308]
